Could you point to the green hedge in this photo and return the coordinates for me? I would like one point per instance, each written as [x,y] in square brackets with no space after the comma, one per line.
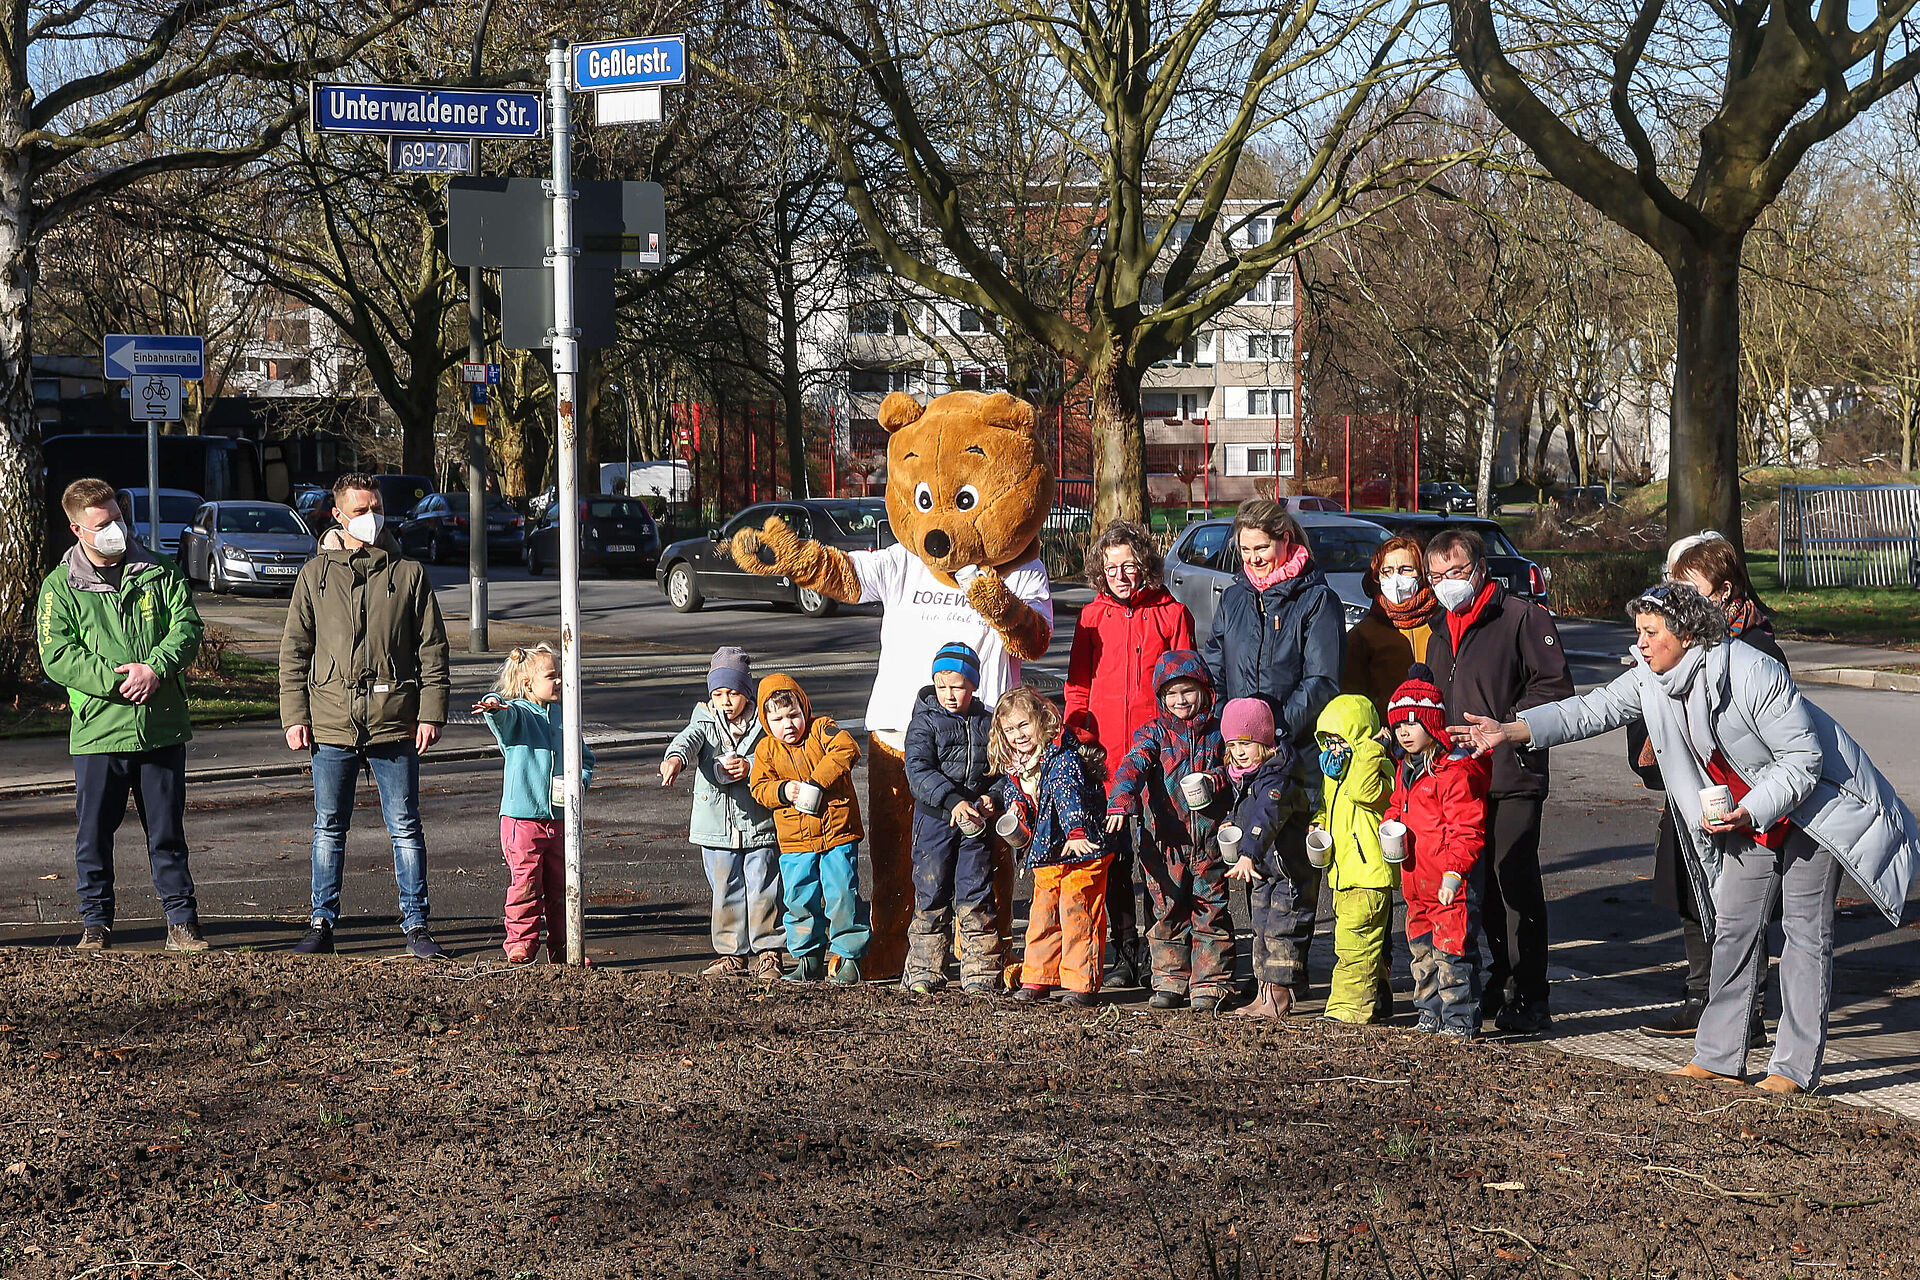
[1598,584]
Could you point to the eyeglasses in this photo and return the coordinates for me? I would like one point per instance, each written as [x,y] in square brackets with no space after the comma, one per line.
[1459,573]
[1127,570]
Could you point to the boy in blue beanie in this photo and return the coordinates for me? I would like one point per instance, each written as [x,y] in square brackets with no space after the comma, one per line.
[947,772]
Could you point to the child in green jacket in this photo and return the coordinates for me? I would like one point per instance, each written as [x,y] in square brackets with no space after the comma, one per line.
[1359,783]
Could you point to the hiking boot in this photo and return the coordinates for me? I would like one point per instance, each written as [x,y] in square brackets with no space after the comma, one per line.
[1125,969]
[1078,999]
[980,990]
[1461,1034]
[1028,994]
[846,973]
[766,967]
[808,969]
[727,967]
[924,987]
[1681,1022]
[318,940]
[1204,1004]
[95,937]
[185,937]
[1428,1024]
[1527,1019]
[421,946]
[1166,1000]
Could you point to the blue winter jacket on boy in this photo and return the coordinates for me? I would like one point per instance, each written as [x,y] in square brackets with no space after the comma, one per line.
[1260,804]
[531,739]
[1068,804]
[1165,750]
[946,753]
[725,814]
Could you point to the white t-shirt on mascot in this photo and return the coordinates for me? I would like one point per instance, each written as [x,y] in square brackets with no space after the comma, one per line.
[923,613]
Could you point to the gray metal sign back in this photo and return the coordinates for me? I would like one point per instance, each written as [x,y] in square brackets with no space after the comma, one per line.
[507,223]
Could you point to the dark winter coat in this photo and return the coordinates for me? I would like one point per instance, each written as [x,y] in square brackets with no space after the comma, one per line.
[1166,750]
[1068,807]
[1287,644]
[1261,803]
[1509,660]
[947,753]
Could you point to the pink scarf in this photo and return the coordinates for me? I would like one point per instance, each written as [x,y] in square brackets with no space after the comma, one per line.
[1292,567]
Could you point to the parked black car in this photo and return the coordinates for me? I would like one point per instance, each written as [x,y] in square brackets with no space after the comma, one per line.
[1519,575]
[315,507]
[400,494]
[694,570]
[436,528]
[1446,496]
[616,534]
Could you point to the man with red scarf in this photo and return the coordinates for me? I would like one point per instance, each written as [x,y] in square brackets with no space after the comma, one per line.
[1494,654]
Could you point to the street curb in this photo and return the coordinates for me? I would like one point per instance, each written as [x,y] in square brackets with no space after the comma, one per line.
[1861,678]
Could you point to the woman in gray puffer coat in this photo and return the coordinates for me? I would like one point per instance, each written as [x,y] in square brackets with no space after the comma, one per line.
[1806,804]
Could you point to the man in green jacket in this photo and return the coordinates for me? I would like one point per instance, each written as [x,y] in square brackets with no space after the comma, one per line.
[363,679]
[116,625]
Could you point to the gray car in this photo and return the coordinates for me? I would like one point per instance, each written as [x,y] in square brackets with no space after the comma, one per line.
[1205,560]
[254,545]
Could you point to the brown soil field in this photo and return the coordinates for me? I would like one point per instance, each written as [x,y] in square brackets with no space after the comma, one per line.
[265,1116]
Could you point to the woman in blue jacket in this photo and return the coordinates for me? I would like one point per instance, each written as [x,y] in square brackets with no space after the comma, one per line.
[1279,634]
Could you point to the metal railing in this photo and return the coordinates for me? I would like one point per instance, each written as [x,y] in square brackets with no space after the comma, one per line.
[1849,535]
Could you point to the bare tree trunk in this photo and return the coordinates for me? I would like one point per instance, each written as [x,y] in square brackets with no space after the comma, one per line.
[1489,435]
[1120,446]
[1703,482]
[21,511]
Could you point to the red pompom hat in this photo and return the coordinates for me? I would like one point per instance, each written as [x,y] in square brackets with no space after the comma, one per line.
[1418,700]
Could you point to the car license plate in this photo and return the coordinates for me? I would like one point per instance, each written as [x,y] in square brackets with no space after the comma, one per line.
[617,547]
[279,570]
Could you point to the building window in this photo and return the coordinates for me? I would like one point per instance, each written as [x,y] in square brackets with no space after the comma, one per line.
[1276,344]
[289,331]
[877,319]
[1255,232]
[1198,349]
[1270,289]
[295,373]
[867,380]
[1259,459]
[1263,402]
[970,321]
[1160,404]
[973,379]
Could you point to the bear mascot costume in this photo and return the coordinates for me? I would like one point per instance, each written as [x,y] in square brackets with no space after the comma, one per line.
[967,492]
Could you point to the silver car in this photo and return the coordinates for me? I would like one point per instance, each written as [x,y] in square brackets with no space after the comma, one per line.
[230,545]
[1206,559]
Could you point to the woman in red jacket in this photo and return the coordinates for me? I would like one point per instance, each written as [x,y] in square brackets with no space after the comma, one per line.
[1109,694]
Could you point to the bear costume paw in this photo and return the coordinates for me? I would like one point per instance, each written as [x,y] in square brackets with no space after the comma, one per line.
[1025,631]
[774,550]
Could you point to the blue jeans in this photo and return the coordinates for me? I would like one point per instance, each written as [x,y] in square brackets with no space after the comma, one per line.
[395,767]
[823,889]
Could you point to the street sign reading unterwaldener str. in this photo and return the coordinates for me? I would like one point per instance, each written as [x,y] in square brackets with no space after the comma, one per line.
[421,110]
[647,62]
[129,355]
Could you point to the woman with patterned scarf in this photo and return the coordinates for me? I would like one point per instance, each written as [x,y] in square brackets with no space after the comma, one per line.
[1393,635]
[1709,564]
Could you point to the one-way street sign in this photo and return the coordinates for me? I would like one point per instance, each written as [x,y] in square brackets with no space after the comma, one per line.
[131,354]
[425,111]
[648,61]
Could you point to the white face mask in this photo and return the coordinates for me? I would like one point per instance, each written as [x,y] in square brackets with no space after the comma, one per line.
[111,541]
[366,526]
[1454,594]
[1399,588]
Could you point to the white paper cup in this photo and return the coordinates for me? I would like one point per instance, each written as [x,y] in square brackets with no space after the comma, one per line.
[810,798]
[1319,848]
[1012,830]
[1197,790]
[557,791]
[1715,803]
[1393,841]
[1229,842]
[973,828]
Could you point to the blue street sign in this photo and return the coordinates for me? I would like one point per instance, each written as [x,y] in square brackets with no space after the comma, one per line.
[130,355]
[424,111]
[625,64]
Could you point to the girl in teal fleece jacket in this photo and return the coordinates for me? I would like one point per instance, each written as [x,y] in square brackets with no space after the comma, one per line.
[524,713]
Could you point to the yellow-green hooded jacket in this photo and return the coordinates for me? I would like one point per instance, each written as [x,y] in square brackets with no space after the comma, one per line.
[1352,804]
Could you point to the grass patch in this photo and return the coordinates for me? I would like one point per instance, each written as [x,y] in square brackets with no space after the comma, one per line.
[1762,485]
[1888,616]
[222,687]
[1597,584]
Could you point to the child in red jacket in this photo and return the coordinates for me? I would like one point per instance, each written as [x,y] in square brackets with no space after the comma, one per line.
[1440,796]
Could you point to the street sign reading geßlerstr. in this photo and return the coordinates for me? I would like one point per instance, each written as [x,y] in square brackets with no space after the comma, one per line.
[426,111]
[131,354]
[625,64]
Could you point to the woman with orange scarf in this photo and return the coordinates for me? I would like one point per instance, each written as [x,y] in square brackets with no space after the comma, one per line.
[1393,635]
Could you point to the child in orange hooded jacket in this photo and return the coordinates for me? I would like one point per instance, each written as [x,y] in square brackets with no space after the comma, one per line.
[803,771]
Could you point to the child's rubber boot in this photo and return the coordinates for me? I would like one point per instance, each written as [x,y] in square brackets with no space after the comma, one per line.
[846,973]
[807,969]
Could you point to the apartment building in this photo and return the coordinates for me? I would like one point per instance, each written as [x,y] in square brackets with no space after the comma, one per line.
[1220,414]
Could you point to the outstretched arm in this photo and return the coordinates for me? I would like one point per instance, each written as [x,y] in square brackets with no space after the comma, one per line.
[774,551]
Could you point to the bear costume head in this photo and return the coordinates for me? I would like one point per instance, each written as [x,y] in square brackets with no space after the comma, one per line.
[967,484]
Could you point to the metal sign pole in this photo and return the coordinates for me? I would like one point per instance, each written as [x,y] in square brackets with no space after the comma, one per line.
[153,486]
[476,417]
[566,365]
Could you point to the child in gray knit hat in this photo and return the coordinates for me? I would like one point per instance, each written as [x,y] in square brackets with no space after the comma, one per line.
[734,831]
